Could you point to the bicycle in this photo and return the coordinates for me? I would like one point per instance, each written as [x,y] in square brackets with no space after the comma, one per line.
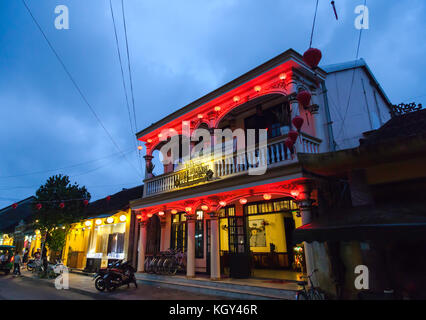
[175,262]
[313,293]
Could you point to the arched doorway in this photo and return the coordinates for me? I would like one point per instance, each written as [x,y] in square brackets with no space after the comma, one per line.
[153,235]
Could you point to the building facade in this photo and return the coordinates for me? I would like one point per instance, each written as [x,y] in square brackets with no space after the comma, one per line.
[233,212]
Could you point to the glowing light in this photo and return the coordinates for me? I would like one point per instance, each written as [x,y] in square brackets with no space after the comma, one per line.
[257,88]
[188,209]
[161,213]
[98,221]
[222,203]
[267,196]
[110,220]
[160,135]
[217,108]
[138,216]
[123,218]
[243,200]
[174,211]
[139,147]
[282,76]
[88,223]
[294,193]
[149,140]
[149,215]
[200,116]
[236,98]
[204,207]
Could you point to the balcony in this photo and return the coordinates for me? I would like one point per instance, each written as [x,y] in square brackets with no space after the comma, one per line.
[206,169]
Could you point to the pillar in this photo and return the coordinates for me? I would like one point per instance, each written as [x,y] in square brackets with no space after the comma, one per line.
[190,255]
[214,246]
[305,204]
[163,244]
[142,246]
[149,167]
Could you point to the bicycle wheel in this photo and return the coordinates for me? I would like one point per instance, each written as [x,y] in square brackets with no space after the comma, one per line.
[301,295]
[147,266]
[315,295]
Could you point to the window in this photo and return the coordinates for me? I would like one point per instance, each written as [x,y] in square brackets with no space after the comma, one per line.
[266,207]
[199,235]
[178,232]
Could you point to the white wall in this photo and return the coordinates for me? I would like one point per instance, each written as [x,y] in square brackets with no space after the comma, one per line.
[363,113]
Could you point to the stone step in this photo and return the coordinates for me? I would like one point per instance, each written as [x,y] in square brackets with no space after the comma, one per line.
[218,288]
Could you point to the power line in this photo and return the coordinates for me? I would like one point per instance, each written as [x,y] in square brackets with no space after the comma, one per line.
[61,168]
[353,77]
[130,76]
[77,87]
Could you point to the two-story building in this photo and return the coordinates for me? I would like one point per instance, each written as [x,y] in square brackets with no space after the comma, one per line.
[234,212]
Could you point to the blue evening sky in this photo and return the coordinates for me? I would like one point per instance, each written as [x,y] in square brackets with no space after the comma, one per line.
[180,50]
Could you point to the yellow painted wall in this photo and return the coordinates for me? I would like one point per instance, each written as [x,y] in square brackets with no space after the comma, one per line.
[223,234]
[275,232]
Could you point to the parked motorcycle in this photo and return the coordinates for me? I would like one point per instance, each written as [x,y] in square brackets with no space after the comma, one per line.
[119,274]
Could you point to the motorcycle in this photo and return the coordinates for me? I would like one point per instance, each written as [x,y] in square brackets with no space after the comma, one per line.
[119,274]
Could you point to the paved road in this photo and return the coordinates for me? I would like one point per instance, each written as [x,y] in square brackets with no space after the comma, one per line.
[17,288]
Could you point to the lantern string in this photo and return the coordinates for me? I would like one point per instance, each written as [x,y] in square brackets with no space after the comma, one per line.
[313,24]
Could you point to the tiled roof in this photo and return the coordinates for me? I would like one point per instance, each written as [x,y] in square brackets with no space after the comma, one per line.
[119,201]
[404,126]
[9,217]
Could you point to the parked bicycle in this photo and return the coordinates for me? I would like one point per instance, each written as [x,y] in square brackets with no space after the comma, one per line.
[312,293]
[166,262]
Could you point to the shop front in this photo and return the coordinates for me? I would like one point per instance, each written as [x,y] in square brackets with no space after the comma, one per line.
[94,243]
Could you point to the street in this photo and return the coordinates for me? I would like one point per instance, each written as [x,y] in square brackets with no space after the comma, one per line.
[25,288]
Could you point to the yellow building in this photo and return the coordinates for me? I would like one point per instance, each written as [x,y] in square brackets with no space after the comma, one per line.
[104,236]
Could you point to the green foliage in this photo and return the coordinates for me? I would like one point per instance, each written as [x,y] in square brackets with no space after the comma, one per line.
[55,240]
[57,189]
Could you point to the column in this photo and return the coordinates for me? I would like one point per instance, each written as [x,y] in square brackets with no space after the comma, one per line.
[190,254]
[142,246]
[305,204]
[149,166]
[163,244]
[214,246]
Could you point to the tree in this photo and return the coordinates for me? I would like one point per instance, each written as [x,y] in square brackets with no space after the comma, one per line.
[51,219]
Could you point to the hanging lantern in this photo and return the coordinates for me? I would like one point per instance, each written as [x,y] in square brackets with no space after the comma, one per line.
[204,207]
[289,143]
[38,206]
[298,122]
[304,98]
[174,211]
[139,147]
[293,135]
[222,203]
[312,57]
[243,200]
[85,202]
[138,216]
[267,196]
[108,198]
[294,193]
[161,213]
[149,215]
[14,206]
[62,205]
[188,209]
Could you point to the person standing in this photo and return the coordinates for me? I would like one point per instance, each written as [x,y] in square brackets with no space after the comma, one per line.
[17,263]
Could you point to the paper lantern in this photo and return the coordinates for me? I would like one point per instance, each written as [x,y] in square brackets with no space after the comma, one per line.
[267,196]
[61,205]
[14,206]
[38,206]
[312,57]
[243,200]
[293,135]
[289,143]
[304,98]
[108,198]
[298,122]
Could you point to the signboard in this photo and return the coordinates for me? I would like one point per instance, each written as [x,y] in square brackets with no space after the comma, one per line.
[94,255]
[193,174]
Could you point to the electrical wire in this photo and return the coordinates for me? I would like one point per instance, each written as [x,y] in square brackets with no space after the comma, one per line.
[77,87]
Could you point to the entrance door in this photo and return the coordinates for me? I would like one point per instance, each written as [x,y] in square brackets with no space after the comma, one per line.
[289,227]
[239,257]
[153,235]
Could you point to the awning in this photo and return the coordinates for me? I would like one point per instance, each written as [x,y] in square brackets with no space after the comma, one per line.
[382,222]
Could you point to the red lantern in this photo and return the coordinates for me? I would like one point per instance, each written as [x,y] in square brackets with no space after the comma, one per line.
[61,205]
[38,206]
[293,135]
[298,122]
[304,98]
[289,143]
[86,202]
[312,57]
[108,198]
[14,206]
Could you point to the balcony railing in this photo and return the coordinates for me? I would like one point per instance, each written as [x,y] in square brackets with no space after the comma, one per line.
[275,154]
